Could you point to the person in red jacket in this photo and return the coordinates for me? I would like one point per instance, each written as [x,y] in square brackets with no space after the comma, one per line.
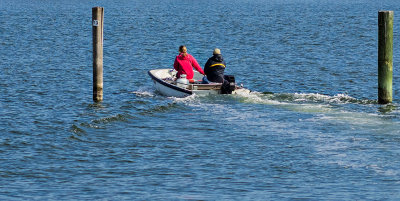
[184,64]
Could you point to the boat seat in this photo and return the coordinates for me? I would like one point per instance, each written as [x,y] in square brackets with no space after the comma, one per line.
[214,86]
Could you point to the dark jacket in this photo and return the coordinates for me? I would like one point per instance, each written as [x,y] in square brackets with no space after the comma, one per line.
[214,68]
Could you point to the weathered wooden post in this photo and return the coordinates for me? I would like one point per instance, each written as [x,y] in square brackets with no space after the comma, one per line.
[97,24]
[385,56]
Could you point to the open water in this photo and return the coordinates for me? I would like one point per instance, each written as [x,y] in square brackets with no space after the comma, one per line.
[310,130]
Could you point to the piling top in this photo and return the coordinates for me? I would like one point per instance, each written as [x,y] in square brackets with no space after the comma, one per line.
[385,12]
[97,9]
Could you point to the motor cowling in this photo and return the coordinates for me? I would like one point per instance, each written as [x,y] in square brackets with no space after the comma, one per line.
[229,84]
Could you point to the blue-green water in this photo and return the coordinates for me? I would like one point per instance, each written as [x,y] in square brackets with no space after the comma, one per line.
[310,130]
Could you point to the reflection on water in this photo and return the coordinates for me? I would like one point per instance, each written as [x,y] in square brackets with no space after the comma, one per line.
[386,109]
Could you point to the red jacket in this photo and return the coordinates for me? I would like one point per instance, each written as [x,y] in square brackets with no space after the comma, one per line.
[185,64]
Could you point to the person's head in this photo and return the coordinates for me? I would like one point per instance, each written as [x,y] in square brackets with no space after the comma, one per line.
[216,51]
[183,50]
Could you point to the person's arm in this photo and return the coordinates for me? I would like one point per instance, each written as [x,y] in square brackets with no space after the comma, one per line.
[196,65]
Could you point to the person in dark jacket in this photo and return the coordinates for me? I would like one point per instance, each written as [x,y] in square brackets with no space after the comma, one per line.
[215,67]
[214,70]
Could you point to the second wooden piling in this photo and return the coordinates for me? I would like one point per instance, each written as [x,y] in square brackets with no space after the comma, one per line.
[385,56]
[97,24]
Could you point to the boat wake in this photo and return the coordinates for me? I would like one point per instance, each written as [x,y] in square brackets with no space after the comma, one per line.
[314,102]
[340,108]
[144,91]
[299,102]
[298,98]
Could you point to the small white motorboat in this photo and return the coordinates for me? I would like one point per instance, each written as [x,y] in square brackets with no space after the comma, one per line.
[166,83]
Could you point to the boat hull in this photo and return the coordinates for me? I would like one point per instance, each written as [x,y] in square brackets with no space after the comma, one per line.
[165,88]
[164,83]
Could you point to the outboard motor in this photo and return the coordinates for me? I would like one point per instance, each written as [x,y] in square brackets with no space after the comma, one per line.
[229,84]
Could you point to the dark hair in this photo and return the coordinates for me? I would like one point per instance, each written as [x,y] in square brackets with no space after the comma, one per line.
[181,48]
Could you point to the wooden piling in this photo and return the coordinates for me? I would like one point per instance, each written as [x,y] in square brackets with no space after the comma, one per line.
[385,56]
[97,24]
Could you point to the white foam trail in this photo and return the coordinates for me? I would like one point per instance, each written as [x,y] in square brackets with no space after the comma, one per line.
[259,98]
[295,105]
[144,91]
[186,99]
[339,98]
[327,107]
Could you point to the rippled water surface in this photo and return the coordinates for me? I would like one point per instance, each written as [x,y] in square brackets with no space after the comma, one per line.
[311,128]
